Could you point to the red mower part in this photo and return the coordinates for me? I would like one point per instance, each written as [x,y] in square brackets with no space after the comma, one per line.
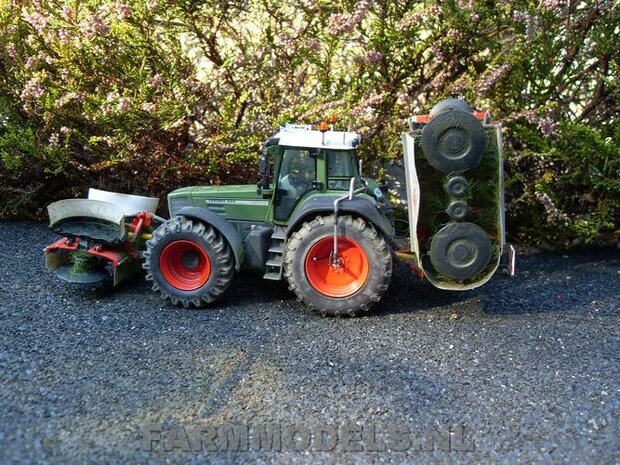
[337,281]
[185,265]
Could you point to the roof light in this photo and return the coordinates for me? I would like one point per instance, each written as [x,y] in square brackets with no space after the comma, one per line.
[323,127]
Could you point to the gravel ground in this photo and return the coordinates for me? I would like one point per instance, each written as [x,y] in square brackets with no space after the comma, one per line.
[523,370]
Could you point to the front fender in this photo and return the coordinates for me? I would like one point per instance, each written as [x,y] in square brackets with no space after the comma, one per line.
[361,207]
[224,228]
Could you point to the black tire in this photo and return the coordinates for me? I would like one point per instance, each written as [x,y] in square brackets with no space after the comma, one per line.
[460,250]
[399,217]
[457,186]
[453,141]
[318,232]
[450,104]
[458,210]
[203,241]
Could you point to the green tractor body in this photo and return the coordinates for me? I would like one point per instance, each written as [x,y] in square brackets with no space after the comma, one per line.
[314,221]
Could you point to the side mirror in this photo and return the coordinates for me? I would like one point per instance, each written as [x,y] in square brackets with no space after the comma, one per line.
[264,170]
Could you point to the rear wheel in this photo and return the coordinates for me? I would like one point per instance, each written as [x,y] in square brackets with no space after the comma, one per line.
[189,262]
[348,285]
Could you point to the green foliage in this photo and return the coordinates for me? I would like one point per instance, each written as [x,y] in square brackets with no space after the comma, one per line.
[570,184]
[146,96]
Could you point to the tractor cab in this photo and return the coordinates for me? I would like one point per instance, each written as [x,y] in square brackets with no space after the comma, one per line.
[306,162]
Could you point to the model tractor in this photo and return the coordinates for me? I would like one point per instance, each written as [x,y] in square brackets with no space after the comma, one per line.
[312,220]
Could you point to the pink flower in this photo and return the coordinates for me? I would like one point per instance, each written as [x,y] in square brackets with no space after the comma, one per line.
[65,99]
[373,57]
[123,10]
[366,105]
[547,126]
[123,105]
[95,27]
[519,16]
[553,4]
[314,45]
[151,5]
[36,20]
[550,208]
[457,88]
[46,58]
[311,5]
[438,81]
[288,43]
[452,33]
[192,84]
[437,52]
[64,130]
[32,90]
[11,50]
[64,36]
[54,140]
[67,14]
[30,62]
[340,23]
[155,81]
[149,107]
[111,97]
[491,78]
[408,21]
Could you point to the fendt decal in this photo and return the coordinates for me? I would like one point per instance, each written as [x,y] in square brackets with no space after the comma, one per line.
[251,203]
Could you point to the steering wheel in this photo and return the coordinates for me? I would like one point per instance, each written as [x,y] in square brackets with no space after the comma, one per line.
[292,182]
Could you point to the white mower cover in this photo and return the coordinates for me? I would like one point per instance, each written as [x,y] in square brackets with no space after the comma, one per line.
[107,209]
[85,208]
[130,204]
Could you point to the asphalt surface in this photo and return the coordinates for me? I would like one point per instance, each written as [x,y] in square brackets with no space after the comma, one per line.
[523,370]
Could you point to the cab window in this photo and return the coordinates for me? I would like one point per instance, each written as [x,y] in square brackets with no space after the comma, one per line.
[340,169]
[297,173]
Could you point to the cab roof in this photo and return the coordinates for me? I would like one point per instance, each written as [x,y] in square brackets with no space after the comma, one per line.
[296,135]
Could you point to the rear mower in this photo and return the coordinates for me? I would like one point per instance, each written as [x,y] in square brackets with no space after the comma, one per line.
[331,233]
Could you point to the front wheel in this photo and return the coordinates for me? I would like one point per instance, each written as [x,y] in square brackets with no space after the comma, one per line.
[189,262]
[344,285]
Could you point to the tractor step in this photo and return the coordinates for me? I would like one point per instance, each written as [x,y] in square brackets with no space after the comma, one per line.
[279,233]
[274,263]
[277,249]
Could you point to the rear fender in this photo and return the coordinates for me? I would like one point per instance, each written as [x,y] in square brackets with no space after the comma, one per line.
[356,206]
[224,228]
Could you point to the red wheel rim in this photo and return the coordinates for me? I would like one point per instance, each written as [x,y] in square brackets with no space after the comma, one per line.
[337,281]
[184,265]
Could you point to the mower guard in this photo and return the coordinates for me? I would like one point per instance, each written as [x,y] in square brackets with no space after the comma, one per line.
[100,217]
[93,219]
